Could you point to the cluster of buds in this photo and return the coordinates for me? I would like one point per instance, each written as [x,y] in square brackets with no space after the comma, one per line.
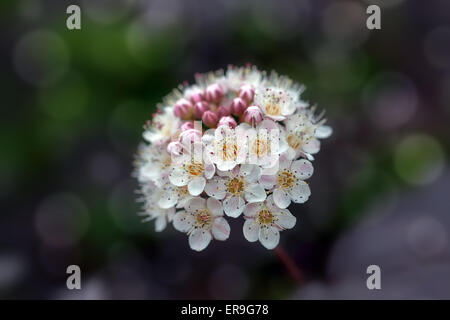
[236,143]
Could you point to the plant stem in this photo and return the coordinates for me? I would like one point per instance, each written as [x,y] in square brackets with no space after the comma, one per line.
[290,265]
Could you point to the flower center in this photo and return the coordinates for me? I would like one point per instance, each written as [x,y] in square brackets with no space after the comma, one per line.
[203,218]
[285,179]
[228,150]
[294,141]
[265,217]
[195,168]
[272,109]
[260,147]
[235,186]
[183,191]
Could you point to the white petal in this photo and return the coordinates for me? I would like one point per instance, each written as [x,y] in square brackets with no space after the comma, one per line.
[255,193]
[160,223]
[210,169]
[281,198]
[251,209]
[269,237]
[150,171]
[284,162]
[302,169]
[195,204]
[197,186]
[168,198]
[233,206]
[300,193]
[251,172]
[268,181]
[220,229]
[199,239]
[215,206]
[251,230]
[312,146]
[285,219]
[323,132]
[179,177]
[183,221]
[216,188]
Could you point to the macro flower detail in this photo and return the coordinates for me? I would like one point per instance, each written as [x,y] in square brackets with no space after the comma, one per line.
[264,221]
[202,220]
[236,144]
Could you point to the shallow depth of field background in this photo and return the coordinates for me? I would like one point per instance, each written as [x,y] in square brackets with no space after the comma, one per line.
[73,104]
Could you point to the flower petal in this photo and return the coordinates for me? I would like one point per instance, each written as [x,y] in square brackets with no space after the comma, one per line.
[199,239]
[323,132]
[300,193]
[255,193]
[195,204]
[215,206]
[251,230]
[160,223]
[196,186]
[285,219]
[269,237]
[216,188]
[168,198]
[312,146]
[183,221]
[281,198]
[233,206]
[210,169]
[251,172]
[220,229]
[268,181]
[251,209]
[179,177]
[302,169]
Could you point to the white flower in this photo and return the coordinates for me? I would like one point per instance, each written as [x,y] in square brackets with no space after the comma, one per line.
[192,172]
[172,195]
[202,220]
[287,184]
[236,77]
[154,162]
[152,210]
[302,134]
[235,187]
[264,221]
[164,125]
[264,143]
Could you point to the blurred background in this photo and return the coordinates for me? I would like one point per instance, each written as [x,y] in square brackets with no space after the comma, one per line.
[73,108]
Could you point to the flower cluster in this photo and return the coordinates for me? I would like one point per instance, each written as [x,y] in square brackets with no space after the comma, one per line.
[236,143]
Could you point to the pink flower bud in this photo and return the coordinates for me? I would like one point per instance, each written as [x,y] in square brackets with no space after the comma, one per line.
[190,136]
[196,95]
[183,109]
[253,115]
[223,111]
[247,93]
[238,106]
[210,119]
[214,92]
[229,121]
[200,108]
[187,125]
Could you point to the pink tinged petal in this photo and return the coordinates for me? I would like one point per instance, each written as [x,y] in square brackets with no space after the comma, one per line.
[195,204]
[199,239]
[271,204]
[216,188]
[281,198]
[215,206]
[284,162]
[312,146]
[269,237]
[268,181]
[233,206]
[197,186]
[168,199]
[291,153]
[251,209]
[179,177]
[255,193]
[300,193]
[183,221]
[285,219]
[251,172]
[302,169]
[251,230]
[220,229]
[160,223]
[210,169]
[323,132]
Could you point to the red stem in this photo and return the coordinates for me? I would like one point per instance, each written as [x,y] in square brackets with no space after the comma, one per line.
[290,265]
